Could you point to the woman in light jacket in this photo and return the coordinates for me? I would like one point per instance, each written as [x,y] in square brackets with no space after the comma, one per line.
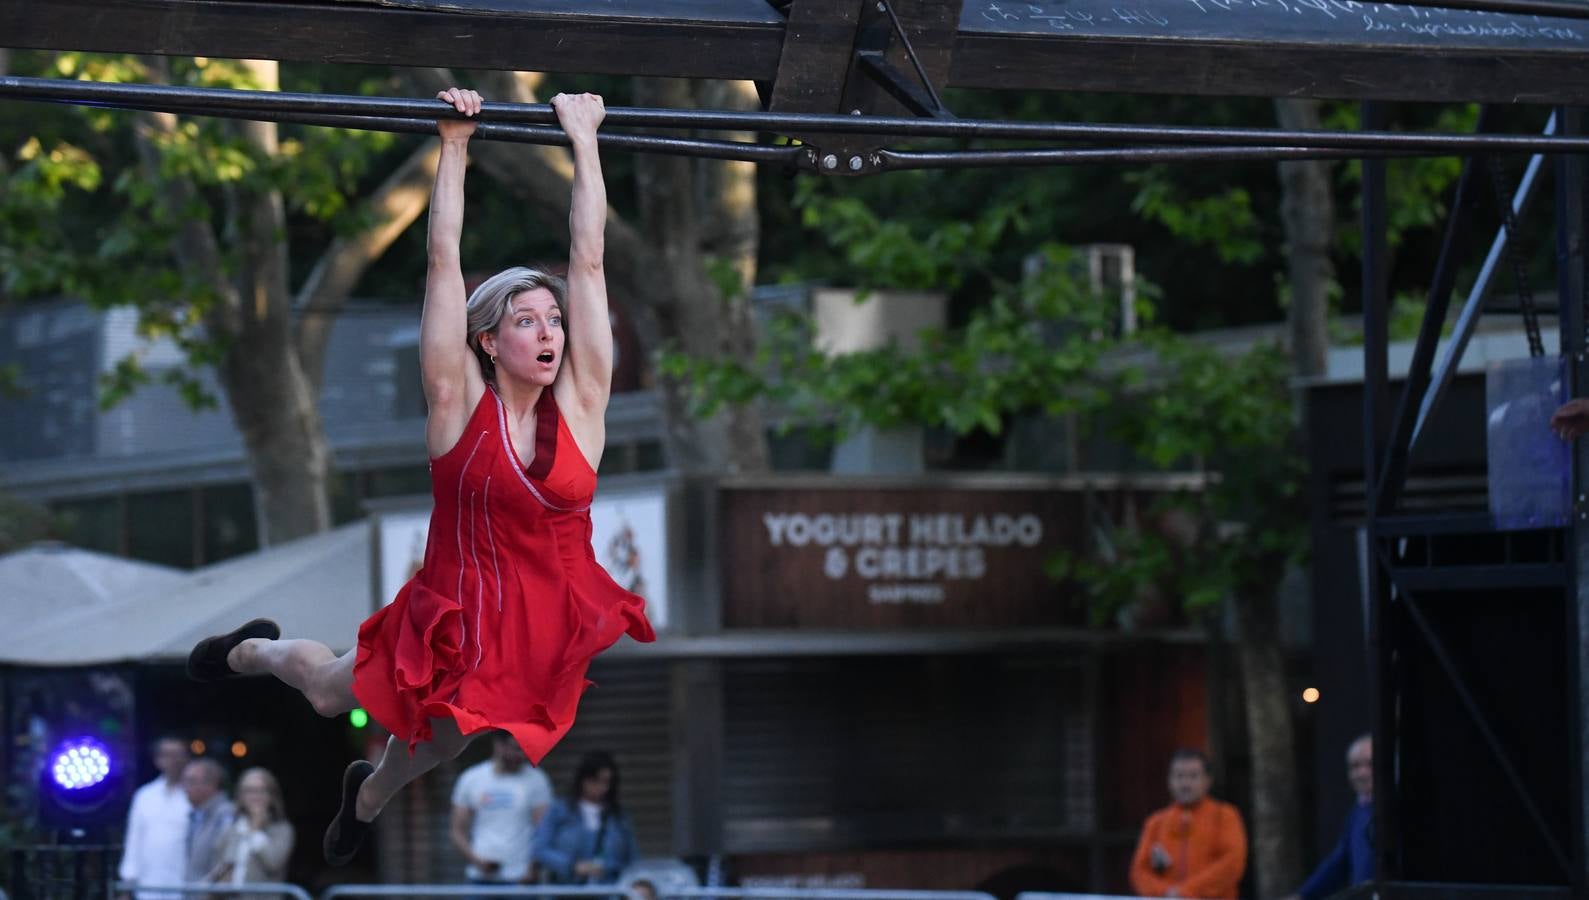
[585,837]
[256,846]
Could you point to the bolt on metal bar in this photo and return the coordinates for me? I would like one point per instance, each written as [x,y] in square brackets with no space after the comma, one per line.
[194,99]
[1473,307]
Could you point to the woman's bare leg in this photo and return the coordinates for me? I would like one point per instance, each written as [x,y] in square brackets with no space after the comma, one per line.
[398,767]
[325,678]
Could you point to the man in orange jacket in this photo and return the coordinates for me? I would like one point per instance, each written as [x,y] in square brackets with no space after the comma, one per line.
[1196,846]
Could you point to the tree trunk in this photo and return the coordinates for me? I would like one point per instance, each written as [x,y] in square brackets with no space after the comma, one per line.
[1308,213]
[272,401]
[1307,209]
[700,320]
[1273,825]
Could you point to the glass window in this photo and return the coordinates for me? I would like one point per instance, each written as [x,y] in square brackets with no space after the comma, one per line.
[649,456]
[398,481]
[347,500]
[230,528]
[93,523]
[160,527]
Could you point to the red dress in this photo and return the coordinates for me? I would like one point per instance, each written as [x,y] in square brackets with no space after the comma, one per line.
[497,628]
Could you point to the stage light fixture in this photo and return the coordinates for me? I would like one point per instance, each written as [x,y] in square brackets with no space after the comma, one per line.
[80,763]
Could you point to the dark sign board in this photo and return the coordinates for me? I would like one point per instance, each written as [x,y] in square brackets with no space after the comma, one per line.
[889,557]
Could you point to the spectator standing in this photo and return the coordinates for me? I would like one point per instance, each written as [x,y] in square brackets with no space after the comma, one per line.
[1352,860]
[256,846]
[1196,846]
[496,806]
[211,816]
[157,824]
[586,838]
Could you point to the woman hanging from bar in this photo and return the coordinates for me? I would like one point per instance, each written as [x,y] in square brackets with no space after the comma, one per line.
[497,628]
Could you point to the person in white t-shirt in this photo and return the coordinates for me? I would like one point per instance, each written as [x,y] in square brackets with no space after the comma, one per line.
[156,849]
[495,808]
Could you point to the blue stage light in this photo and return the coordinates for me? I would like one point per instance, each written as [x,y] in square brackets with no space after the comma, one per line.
[79,764]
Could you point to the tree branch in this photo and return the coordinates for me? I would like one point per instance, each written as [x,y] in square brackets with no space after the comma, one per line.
[392,208]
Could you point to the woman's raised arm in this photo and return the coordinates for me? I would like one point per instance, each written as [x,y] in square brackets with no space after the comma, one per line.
[590,350]
[447,366]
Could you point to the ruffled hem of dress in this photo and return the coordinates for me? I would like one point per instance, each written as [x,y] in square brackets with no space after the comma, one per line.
[427,674]
[602,620]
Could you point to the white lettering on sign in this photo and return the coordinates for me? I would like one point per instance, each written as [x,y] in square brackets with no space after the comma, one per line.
[903,555]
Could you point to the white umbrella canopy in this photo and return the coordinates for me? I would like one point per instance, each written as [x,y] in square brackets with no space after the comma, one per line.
[316,587]
[49,578]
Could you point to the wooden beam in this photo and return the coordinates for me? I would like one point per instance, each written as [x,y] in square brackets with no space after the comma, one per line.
[1315,48]
[818,47]
[694,39]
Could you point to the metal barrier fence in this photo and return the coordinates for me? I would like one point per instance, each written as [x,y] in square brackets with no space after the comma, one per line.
[560,892]
[252,889]
[471,890]
[546,891]
[1046,895]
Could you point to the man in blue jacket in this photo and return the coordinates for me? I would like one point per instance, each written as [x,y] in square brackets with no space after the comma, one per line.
[1352,860]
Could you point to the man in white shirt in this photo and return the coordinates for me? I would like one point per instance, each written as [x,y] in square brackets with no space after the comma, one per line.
[157,824]
[495,808]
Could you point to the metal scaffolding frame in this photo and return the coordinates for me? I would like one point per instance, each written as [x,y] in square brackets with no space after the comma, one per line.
[811,77]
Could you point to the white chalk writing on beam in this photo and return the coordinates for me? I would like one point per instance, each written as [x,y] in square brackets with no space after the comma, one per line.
[1426,22]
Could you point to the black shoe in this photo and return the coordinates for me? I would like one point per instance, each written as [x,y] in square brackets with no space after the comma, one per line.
[207,662]
[346,832]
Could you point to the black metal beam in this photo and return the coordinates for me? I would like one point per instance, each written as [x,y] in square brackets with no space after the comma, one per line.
[1381,639]
[1205,47]
[1393,474]
[1572,287]
[1502,577]
[1473,307]
[736,39]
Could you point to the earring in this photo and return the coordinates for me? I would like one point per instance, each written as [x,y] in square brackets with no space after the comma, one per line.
[493,360]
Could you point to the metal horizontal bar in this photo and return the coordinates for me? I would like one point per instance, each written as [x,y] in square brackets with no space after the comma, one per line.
[1442,523]
[491,131]
[1479,578]
[905,160]
[267,888]
[1448,890]
[196,99]
[467,890]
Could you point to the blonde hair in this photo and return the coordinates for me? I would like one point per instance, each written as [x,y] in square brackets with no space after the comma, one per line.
[277,806]
[492,299]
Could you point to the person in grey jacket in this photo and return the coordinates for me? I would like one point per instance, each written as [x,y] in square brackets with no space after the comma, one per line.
[256,846]
[203,779]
